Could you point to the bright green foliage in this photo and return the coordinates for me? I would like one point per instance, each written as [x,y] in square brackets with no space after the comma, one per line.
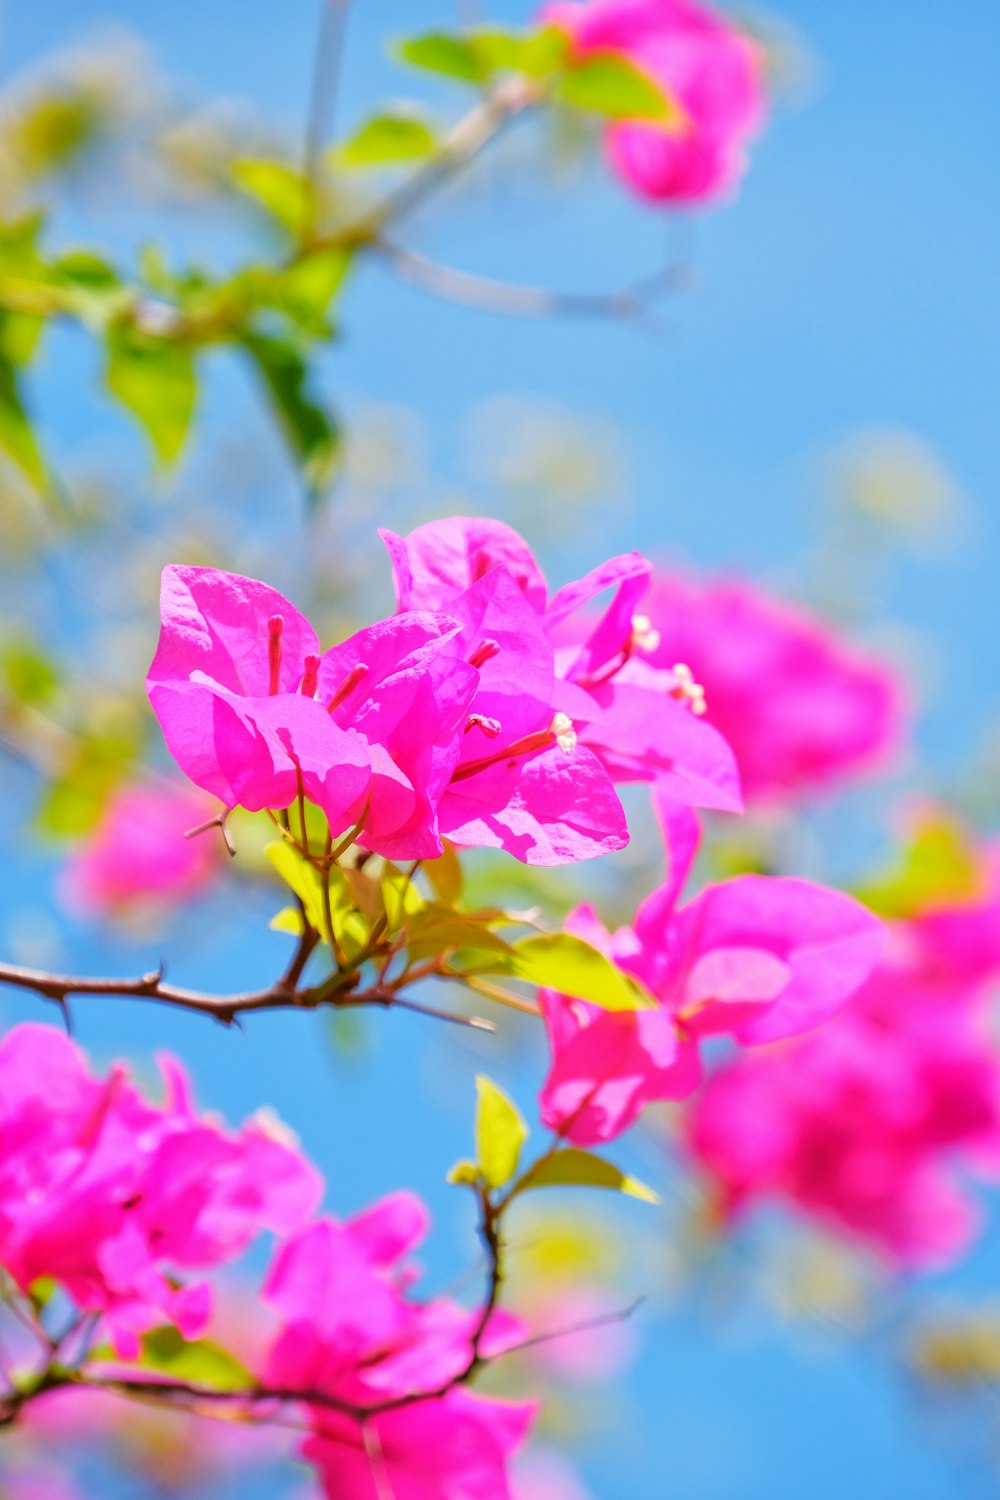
[475,56]
[312,432]
[500,1134]
[939,866]
[572,1167]
[609,84]
[388,139]
[464,1174]
[441,52]
[27,674]
[281,191]
[196,1361]
[349,928]
[566,963]
[536,54]
[155,378]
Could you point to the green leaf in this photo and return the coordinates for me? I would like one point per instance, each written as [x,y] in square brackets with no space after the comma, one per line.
[349,927]
[17,438]
[280,189]
[563,962]
[445,876]
[437,929]
[608,84]
[312,433]
[500,1134]
[27,674]
[400,897]
[537,54]
[938,866]
[574,1168]
[387,139]
[463,1174]
[306,290]
[198,1361]
[441,52]
[156,380]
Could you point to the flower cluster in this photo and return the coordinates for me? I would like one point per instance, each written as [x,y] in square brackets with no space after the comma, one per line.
[466,715]
[867,1125]
[106,1193]
[803,712]
[755,958]
[350,1333]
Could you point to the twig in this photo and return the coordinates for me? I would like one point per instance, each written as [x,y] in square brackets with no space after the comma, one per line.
[629,304]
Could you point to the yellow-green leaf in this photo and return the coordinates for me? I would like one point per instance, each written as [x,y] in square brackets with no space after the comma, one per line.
[198,1361]
[441,52]
[463,1174]
[561,961]
[575,1168]
[608,84]
[387,139]
[17,438]
[445,876]
[500,1133]
[280,189]
[156,380]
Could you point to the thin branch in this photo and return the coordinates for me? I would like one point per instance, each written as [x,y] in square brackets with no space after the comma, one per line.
[629,304]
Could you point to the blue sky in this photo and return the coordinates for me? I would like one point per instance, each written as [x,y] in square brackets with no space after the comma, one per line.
[854,285]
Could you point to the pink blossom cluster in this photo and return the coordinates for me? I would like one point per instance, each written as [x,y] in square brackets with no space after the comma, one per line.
[108,1194]
[351,1333]
[870,1125]
[138,858]
[803,712]
[711,71]
[484,711]
[755,958]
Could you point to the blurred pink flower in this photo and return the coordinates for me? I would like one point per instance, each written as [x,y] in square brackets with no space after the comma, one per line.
[350,1331]
[755,958]
[102,1191]
[703,63]
[869,1125]
[801,709]
[137,856]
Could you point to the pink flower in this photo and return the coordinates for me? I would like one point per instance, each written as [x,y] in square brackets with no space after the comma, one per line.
[633,717]
[138,857]
[101,1190]
[865,1125]
[801,710]
[418,726]
[755,958]
[703,64]
[350,1332]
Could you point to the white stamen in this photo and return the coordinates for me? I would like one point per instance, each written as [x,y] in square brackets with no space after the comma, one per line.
[645,637]
[687,690]
[562,728]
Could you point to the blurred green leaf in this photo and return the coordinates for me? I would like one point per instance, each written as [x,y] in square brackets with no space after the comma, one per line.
[155,379]
[17,438]
[939,866]
[29,676]
[608,84]
[572,1167]
[500,1133]
[312,433]
[281,190]
[537,53]
[386,139]
[198,1361]
[463,1174]
[442,52]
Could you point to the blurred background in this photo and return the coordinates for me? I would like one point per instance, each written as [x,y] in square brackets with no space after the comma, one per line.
[812,404]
